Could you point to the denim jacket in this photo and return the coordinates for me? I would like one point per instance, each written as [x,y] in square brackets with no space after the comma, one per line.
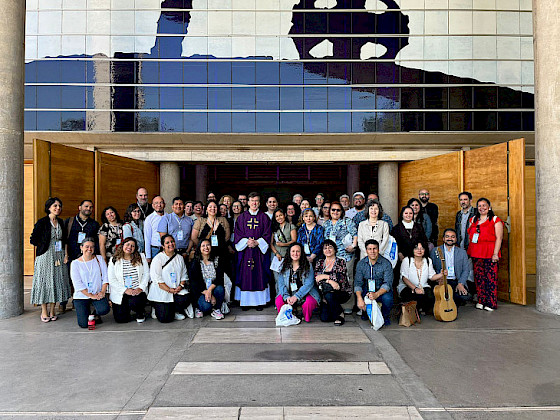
[308,287]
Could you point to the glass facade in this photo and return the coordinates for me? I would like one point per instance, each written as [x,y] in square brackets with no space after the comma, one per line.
[279,66]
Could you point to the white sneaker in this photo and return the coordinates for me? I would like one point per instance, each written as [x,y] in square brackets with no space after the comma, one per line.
[216,313]
[359,313]
[348,312]
[479,306]
[488,308]
[140,320]
[179,317]
[190,311]
[198,313]
[154,313]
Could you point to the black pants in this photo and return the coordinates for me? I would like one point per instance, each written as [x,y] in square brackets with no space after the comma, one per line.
[129,303]
[460,300]
[165,311]
[425,302]
[331,305]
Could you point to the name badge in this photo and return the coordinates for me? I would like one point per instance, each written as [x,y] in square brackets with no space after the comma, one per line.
[90,287]
[208,283]
[451,272]
[306,249]
[58,246]
[81,237]
[128,282]
[293,287]
[214,240]
[119,241]
[371,286]
[475,238]
[180,235]
[173,279]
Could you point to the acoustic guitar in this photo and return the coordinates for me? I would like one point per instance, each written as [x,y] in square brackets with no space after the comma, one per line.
[445,308]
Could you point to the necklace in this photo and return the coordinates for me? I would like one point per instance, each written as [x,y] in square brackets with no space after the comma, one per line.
[329,265]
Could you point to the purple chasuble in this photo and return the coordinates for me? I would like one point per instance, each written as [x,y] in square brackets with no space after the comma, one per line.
[253,267]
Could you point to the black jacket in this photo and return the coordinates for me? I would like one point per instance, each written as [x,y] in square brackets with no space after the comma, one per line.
[41,235]
[197,284]
[405,243]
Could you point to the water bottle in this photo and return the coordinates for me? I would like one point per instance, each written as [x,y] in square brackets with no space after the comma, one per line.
[91,322]
[368,303]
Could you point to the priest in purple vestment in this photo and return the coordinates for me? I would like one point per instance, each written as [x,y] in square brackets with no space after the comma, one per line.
[252,238]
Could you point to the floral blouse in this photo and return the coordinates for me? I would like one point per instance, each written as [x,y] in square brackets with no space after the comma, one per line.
[338,272]
[113,234]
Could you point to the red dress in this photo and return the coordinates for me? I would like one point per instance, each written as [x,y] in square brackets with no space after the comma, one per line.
[484,248]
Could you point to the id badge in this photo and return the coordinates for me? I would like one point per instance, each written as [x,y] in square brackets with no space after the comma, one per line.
[173,279]
[451,272]
[128,282]
[58,246]
[90,287]
[371,286]
[475,238]
[119,241]
[214,240]
[306,249]
[81,237]
[293,287]
[180,235]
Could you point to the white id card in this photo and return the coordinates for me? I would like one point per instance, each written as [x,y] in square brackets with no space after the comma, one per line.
[306,249]
[475,238]
[180,235]
[90,287]
[293,287]
[81,237]
[371,286]
[58,246]
[119,241]
[173,279]
[214,240]
[451,272]
[128,282]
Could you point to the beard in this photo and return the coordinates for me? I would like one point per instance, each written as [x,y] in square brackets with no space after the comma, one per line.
[424,199]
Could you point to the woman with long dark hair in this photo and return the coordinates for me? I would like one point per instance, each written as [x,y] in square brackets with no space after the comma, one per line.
[311,235]
[486,232]
[420,216]
[110,232]
[408,233]
[134,225]
[50,275]
[293,213]
[206,276]
[129,275]
[296,283]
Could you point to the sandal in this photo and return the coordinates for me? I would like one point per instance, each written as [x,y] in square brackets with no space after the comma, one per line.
[339,321]
[45,318]
[54,318]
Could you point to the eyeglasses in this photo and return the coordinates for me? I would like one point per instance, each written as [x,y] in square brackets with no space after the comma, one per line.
[337,210]
[326,207]
[424,194]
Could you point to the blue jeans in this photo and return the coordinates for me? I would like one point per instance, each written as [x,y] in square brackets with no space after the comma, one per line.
[386,300]
[219,293]
[82,307]
[155,250]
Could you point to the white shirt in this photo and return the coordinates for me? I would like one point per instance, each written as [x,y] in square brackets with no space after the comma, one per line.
[269,215]
[409,270]
[450,262]
[151,234]
[89,275]
[380,233]
[117,280]
[172,275]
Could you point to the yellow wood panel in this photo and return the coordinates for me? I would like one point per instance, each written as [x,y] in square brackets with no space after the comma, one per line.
[118,179]
[41,177]
[441,175]
[72,177]
[530,221]
[486,176]
[28,219]
[516,180]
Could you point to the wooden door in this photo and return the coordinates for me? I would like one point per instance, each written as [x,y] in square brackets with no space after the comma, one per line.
[494,172]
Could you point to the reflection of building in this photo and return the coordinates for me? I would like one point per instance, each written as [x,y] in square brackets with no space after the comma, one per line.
[362,84]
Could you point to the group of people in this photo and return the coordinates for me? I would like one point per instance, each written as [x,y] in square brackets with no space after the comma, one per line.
[199,257]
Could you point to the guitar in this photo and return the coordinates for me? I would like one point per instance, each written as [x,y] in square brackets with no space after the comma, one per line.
[445,308]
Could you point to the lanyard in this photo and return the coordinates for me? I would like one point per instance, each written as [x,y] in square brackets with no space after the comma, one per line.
[80,223]
[141,209]
[178,221]
[90,271]
[308,234]
[56,229]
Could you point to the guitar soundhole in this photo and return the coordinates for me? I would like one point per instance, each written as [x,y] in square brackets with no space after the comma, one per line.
[448,310]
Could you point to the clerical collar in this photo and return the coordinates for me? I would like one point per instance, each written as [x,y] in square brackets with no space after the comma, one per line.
[253,213]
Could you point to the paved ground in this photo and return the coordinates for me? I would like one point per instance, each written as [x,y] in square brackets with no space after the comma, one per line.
[499,365]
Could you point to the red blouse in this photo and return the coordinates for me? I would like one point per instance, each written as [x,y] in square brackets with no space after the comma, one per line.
[484,248]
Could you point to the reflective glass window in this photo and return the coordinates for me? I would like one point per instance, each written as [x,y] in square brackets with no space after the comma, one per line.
[195,122]
[243,98]
[436,121]
[147,121]
[460,97]
[149,71]
[73,71]
[48,71]
[339,122]
[363,73]
[410,75]
[363,98]
[340,23]
[219,98]
[268,122]
[509,98]
[268,98]
[73,121]
[30,121]
[315,73]
[31,72]
[315,122]
[219,72]
[125,121]
[170,72]
[73,97]
[315,98]
[485,97]
[291,98]
[195,98]
[315,22]
[527,100]
[243,122]
[148,97]
[341,47]
[412,121]
[48,121]
[30,97]
[388,122]
[291,73]
[435,77]
[509,121]
[412,98]
[363,122]
[485,121]
[340,98]
[460,121]
[388,98]
[48,97]
[171,98]
[339,73]
[436,98]
[528,121]
[387,73]
[219,122]
[243,72]
[291,122]
[267,73]
[195,73]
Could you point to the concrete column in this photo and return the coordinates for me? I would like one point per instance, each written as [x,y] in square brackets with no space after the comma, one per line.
[201,182]
[352,181]
[169,182]
[546,15]
[12,33]
[388,181]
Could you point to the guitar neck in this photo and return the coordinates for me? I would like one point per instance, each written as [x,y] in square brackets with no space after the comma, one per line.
[443,266]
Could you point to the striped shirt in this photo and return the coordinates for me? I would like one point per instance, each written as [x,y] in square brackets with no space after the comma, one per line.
[130,275]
